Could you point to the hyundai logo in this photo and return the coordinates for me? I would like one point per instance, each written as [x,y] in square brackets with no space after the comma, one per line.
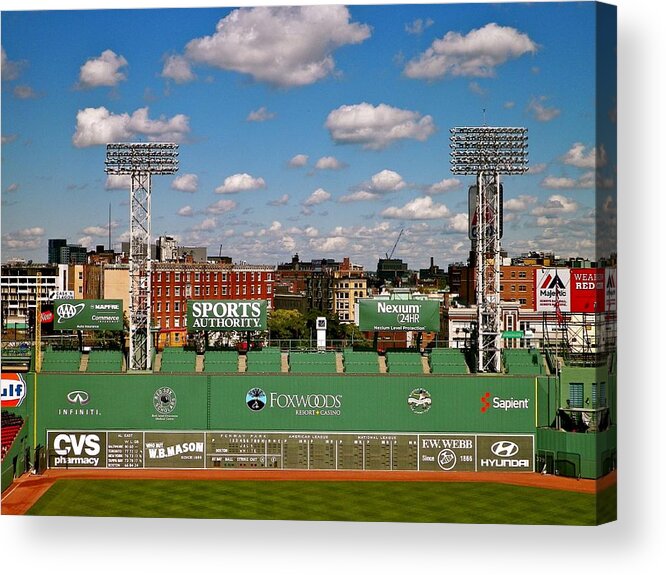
[504,448]
[80,397]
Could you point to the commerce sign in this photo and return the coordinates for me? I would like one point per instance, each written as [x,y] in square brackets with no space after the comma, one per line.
[398,315]
[91,314]
[226,315]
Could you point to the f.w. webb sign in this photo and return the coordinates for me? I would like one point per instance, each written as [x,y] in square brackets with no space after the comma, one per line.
[226,315]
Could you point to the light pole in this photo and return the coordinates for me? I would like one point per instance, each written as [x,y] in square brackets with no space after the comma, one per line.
[140,161]
[487,152]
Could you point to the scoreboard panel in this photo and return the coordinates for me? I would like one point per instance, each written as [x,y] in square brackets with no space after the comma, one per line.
[290,450]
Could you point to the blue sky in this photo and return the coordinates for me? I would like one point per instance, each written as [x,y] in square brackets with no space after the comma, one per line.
[320,130]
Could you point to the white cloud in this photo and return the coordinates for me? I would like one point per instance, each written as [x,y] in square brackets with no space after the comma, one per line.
[558,183]
[31,232]
[24,239]
[281,201]
[540,111]
[580,157]
[329,244]
[186,211]
[377,127]
[305,37]
[186,183]
[178,69]
[519,204]
[207,225]
[445,185]
[418,26]
[221,207]
[418,209]
[96,231]
[537,168]
[9,138]
[25,93]
[360,196]
[459,223]
[98,126]
[317,197]
[298,161]
[385,181]
[329,163]
[12,188]
[260,115]
[114,182]
[555,206]
[104,70]
[476,54]
[240,183]
[9,69]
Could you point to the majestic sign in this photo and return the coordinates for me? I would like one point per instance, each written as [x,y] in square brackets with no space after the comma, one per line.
[552,292]
[226,315]
[91,314]
[574,290]
[398,315]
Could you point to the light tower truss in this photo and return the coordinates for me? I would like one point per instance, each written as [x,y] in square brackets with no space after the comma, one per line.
[140,161]
[488,152]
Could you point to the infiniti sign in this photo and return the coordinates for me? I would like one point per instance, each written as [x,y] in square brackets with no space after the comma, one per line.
[80,397]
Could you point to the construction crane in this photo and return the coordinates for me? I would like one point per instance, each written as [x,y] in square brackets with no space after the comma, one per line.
[389,256]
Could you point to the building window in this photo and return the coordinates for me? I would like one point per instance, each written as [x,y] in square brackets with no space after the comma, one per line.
[197,291]
[176,306]
[207,290]
[522,288]
[576,395]
[522,274]
[269,289]
[224,290]
[166,307]
[197,277]
[177,276]
[177,291]
[176,322]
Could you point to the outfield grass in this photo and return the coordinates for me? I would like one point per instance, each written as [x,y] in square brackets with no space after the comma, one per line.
[426,502]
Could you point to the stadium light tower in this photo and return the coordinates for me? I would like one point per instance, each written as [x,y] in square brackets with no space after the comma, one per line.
[140,161]
[487,152]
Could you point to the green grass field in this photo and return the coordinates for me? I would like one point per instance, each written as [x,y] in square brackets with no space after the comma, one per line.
[421,502]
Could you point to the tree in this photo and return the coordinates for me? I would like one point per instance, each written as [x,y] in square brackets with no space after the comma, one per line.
[287,324]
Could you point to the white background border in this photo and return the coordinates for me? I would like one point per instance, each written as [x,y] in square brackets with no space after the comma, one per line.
[632,544]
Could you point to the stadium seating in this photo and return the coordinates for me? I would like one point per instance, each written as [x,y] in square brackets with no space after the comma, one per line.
[360,361]
[178,360]
[523,361]
[449,361]
[60,360]
[221,361]
[105,361]
[403,362]
[268,360]
[11,426]
[312,362]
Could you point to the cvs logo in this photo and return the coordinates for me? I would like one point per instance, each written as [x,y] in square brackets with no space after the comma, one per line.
[72,443]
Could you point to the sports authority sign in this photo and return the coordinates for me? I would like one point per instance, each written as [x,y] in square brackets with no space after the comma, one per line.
[91,314]
[226,315]
[398,315]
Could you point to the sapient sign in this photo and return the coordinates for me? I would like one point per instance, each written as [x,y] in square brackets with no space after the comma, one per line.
[89,314]
[398,315]
[226,315]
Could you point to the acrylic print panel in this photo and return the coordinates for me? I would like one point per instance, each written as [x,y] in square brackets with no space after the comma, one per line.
[366,254]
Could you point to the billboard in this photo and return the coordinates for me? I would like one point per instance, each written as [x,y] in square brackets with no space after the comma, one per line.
[13,389]
[575,290]
[92,314]
[552,291]
[226,315]
[398,315]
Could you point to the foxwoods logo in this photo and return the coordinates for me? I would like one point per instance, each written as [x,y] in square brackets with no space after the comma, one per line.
[504,404]
[419,400]
[303,405]
[164,400]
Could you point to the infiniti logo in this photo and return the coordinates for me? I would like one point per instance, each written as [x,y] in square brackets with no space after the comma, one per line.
[504,448]
[80,397]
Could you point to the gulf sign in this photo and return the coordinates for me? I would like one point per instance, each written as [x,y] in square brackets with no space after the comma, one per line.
[13,389]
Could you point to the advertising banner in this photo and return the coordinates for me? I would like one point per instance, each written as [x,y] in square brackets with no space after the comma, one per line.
[588,290]
[398,315]
[611,289]
[552,289]
[89,314]
[226,315]
[13,389]
[76,449]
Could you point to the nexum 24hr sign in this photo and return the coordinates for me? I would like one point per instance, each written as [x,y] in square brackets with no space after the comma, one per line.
[398,315]
[226,315]
[91,314]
